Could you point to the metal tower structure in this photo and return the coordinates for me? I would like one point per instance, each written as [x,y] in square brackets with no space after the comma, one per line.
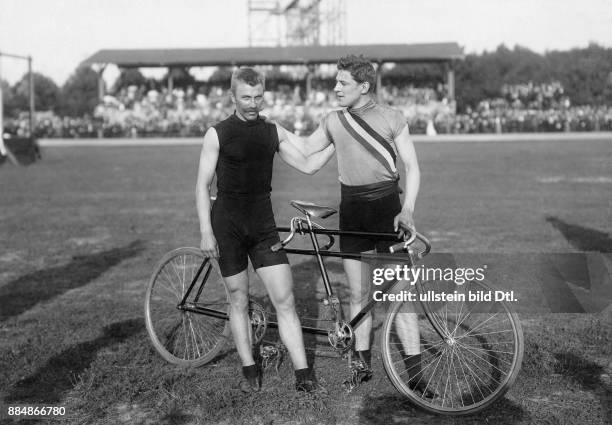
[333,22]
[296,22]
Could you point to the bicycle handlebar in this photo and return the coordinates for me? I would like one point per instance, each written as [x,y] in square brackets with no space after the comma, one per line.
[398,247]
[297,223]
[403,246]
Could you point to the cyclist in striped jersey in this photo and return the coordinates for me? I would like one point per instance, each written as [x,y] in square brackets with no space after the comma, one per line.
[368,137]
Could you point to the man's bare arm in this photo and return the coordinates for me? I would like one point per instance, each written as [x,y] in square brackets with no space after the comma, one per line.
[293,156]
[316,142]
[206,172]
[405,149]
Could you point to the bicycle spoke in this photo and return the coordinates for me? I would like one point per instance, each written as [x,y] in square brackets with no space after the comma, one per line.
[472,374]
[206,343]
[488,350]
[186,352]
[485,333]
[486,385]
[460,322]
[486,362]
[422,353]
[441,343]
[467,384]
[195,341]
[178,276]
[445,322]
[180,269]
[183,274]
[171,281]
[168,290]
[480,325]
[455,373]
[507,341]
[446,364]
[437,363]
[437,318]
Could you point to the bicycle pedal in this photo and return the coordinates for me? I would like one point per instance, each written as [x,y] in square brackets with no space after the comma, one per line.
[272,355]
[358,366]
[349,385]
[268,354]
[360,371]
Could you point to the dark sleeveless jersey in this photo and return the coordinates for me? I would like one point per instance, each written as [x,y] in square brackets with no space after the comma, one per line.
[246,155]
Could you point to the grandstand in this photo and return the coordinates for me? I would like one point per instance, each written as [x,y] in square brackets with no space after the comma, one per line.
[444,53]
[299,105]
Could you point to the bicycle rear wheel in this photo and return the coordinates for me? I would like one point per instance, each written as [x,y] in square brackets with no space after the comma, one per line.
[185,337]
[471,352]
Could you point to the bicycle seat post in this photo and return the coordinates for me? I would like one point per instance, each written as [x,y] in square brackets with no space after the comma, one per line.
[322,269]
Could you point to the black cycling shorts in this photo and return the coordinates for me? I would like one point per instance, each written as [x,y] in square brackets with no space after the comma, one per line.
[368,216]
[245,227]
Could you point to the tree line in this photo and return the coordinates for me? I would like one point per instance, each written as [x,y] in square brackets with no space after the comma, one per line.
[584,73]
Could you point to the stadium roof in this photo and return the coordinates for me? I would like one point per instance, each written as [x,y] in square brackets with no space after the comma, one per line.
[294,55]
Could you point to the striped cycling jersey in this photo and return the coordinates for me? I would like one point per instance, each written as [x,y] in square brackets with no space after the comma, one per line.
[364,141]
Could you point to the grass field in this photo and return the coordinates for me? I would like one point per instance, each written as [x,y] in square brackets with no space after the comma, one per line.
[82,230]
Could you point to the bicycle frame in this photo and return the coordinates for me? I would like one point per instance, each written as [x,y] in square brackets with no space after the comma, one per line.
[319,254]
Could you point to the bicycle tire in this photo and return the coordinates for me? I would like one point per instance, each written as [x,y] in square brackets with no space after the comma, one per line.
[480,356]
[183,337]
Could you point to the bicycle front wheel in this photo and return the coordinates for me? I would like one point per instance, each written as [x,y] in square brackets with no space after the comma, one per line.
[190,333]
[470,352]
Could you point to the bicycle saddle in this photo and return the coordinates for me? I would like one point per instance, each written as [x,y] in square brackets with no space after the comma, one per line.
[313,210]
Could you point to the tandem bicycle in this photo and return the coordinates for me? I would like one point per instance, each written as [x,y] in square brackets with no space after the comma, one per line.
[471,352]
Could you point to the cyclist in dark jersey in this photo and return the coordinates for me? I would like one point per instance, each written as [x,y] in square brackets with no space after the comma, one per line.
[368,138]
[241,149]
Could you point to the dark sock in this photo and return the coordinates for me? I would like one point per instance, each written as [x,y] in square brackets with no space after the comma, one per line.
[250,371]
[413,365]
[366,356]
[302,375]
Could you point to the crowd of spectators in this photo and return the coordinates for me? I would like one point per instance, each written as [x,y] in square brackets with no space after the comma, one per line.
[494,117]
[528,108]
[140,112]
[49,125]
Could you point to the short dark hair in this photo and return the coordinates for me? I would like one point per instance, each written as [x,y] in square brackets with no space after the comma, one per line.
[360,68]
[247,75]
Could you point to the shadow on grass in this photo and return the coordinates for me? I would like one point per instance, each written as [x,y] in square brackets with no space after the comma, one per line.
[587,375]
[582,238]
[175,417]
[388,409]
[580,370]
[59,374]
[26,291]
